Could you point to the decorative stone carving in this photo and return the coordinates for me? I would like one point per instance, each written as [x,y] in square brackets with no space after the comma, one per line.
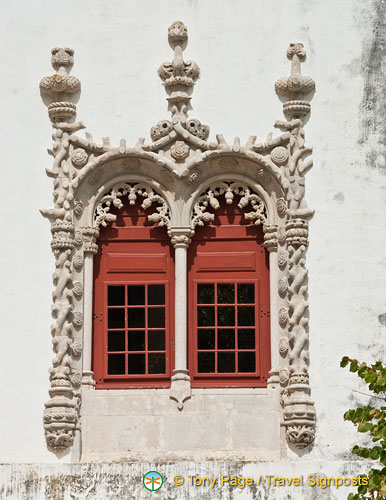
[282,316]
[270,237]
[196,128]
[281,207]
[132,191]
[179,156]
[179,151]
[283,346]
[162,129]
[79,158]
[61,85]
[279,155]
[229,190]
[77,289]
[282,286]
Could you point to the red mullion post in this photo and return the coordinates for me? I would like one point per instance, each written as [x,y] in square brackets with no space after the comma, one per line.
[126,335]
[236,306]
[215,328]
[257,330]
[147,329]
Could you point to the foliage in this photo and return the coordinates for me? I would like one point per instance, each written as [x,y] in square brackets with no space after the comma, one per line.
[373,421]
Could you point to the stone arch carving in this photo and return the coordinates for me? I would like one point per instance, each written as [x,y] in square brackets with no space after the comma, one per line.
[177,169]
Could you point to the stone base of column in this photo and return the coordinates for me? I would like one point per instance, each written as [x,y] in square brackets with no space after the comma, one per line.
[180,389]
[88,381]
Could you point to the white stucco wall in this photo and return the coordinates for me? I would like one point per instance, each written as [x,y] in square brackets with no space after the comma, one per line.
[240,47]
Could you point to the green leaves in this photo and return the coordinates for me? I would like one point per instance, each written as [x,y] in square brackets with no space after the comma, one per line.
[373,421]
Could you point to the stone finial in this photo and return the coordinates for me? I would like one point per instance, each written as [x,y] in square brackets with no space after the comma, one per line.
[296,85]
[61,86]
[178,76]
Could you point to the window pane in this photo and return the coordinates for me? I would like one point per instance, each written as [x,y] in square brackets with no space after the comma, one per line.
[247,362]
[135,295]
[205,362]
[156,317]
[116,341]
[136,317]
[205,316]
[226,339]
[116,318]
[136,364]
[226,362]
[226,293]
[116,295]
[246,293]
[136,340]
[226,316]
[116,364]
[156,295]
[205,293]
[246,339]
[156,340]
[246,316]
[156,362]
[205,339]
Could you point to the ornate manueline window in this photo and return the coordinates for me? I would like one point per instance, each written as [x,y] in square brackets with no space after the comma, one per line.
[117,293]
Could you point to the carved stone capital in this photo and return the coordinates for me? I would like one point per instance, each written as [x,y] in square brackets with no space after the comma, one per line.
[270,237]
[90,236]
[297,232]
[181,237]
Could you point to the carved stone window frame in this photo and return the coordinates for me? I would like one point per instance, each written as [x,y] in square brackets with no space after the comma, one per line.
[181,175]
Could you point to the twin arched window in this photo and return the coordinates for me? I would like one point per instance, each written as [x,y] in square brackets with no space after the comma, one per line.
[228,303]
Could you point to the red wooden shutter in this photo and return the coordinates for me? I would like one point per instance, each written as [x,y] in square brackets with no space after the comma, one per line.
[229,325]
[133,326]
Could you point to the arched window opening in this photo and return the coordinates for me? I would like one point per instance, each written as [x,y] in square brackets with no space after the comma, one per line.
[133,321]
[228,281]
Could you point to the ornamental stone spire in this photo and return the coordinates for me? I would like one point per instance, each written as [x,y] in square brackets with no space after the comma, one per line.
[178,76]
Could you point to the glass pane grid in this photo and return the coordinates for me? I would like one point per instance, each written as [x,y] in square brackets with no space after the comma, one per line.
[224,309]
[135,312]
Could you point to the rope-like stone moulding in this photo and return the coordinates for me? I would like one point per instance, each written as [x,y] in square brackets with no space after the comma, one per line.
[229,189]
[132,191]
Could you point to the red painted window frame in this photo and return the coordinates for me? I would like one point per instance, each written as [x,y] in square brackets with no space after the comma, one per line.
[148,238]
[227,228]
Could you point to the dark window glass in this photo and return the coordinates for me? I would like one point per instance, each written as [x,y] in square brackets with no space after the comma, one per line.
[205,316]
[156,317]
[156,295]
[116,341]
[116,364]
[116,295]
[136,317]
[136,364]
[246,338]
[156,362]
[156,340]
[226,339]
[226,316]
[226,362]
[205,362]
[246,316]
[205,293]
[135,295]
[116,318]
[246,293]
[136,340]
[205,339]
[226,293]
[247,362]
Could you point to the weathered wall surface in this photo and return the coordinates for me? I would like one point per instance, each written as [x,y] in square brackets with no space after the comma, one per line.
[240,48]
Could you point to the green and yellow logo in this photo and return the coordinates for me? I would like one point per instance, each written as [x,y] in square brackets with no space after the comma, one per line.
[153,480]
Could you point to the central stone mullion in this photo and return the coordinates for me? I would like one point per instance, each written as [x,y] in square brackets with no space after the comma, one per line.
[180,389]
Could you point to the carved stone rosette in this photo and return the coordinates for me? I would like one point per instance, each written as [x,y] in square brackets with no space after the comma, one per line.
[179,176]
